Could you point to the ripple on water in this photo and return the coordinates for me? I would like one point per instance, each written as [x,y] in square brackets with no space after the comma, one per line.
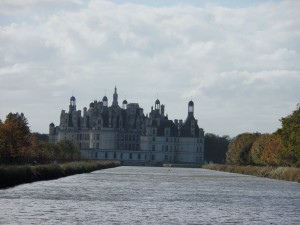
[151,195]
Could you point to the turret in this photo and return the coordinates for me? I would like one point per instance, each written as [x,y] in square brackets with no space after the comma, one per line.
[124,104]
[157,104]
[191,108]
[72,106]
[51,129]
[105,101]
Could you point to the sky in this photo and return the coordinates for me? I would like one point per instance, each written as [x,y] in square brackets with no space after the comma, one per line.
[237,60]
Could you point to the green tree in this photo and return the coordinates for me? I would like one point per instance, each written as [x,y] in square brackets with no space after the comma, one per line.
[239,149]
[41,137]
[69,151]
[215,148]
[290,134]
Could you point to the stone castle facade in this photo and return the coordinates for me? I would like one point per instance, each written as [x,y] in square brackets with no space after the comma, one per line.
[127,134]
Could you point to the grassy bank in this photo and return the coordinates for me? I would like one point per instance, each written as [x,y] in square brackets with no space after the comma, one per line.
[280,173]
[14,175]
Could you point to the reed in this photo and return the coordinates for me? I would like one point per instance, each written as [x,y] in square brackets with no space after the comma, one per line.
[18,174]
[281,173]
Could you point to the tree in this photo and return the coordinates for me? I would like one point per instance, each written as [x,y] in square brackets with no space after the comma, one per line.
[15,137]
[215,148]
[268,150]
[239,149]
[41,137]
[69,151]
[290,134]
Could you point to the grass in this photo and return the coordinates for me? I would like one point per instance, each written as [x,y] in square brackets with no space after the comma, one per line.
[15,175]
[280,173]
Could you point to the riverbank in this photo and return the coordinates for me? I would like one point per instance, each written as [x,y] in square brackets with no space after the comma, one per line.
[280,173]
[19,174]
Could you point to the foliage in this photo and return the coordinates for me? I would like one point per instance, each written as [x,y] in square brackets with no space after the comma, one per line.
[41,137]
[290,134]
[239,149]
[18,145]
[15,137]
[215,148]
[268,150]
[281,173]
[14,175]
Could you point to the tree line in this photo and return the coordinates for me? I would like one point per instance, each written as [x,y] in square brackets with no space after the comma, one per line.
[281,148]
[18,145]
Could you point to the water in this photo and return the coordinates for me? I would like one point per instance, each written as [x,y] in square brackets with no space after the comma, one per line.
[151,195]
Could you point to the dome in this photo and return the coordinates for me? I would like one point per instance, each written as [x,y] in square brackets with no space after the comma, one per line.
[124,102]
[51,124]
[92,105]
[72,98]
[104,99]
[191,103]
[157,101]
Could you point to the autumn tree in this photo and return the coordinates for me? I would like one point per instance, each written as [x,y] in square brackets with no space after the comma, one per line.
[15,137]
[239,149]
[268,150]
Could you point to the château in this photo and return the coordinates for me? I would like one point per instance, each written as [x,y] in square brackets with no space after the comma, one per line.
[125,133]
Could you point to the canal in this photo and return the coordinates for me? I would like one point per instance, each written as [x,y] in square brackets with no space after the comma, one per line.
[153,195]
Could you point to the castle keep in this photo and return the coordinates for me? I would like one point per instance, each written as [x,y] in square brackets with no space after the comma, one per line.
[126,134]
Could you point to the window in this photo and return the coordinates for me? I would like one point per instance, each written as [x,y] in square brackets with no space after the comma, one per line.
[153,157]
[153,147]
[121,156]
[139,156]
[115,155]
[106,155]
[166,157]
[153,138]
[166,148]
[130,156]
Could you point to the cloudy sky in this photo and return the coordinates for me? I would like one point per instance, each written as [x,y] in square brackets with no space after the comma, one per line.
[237,60]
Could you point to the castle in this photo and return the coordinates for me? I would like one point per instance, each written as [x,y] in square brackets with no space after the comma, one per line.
[126,134]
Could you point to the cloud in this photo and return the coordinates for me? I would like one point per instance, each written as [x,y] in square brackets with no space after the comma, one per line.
[239,65]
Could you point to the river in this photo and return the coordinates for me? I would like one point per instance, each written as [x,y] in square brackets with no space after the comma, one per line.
[153,195]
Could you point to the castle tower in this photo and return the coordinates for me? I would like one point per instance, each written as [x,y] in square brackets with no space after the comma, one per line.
[51,129]
[157,104]
[124,104]
[72,106]
[115,98]
[191,108]
[105,101]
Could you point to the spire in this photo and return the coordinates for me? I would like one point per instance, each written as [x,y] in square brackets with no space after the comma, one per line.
[115,98]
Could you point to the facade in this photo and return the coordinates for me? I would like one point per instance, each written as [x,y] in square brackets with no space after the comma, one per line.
[126,134]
